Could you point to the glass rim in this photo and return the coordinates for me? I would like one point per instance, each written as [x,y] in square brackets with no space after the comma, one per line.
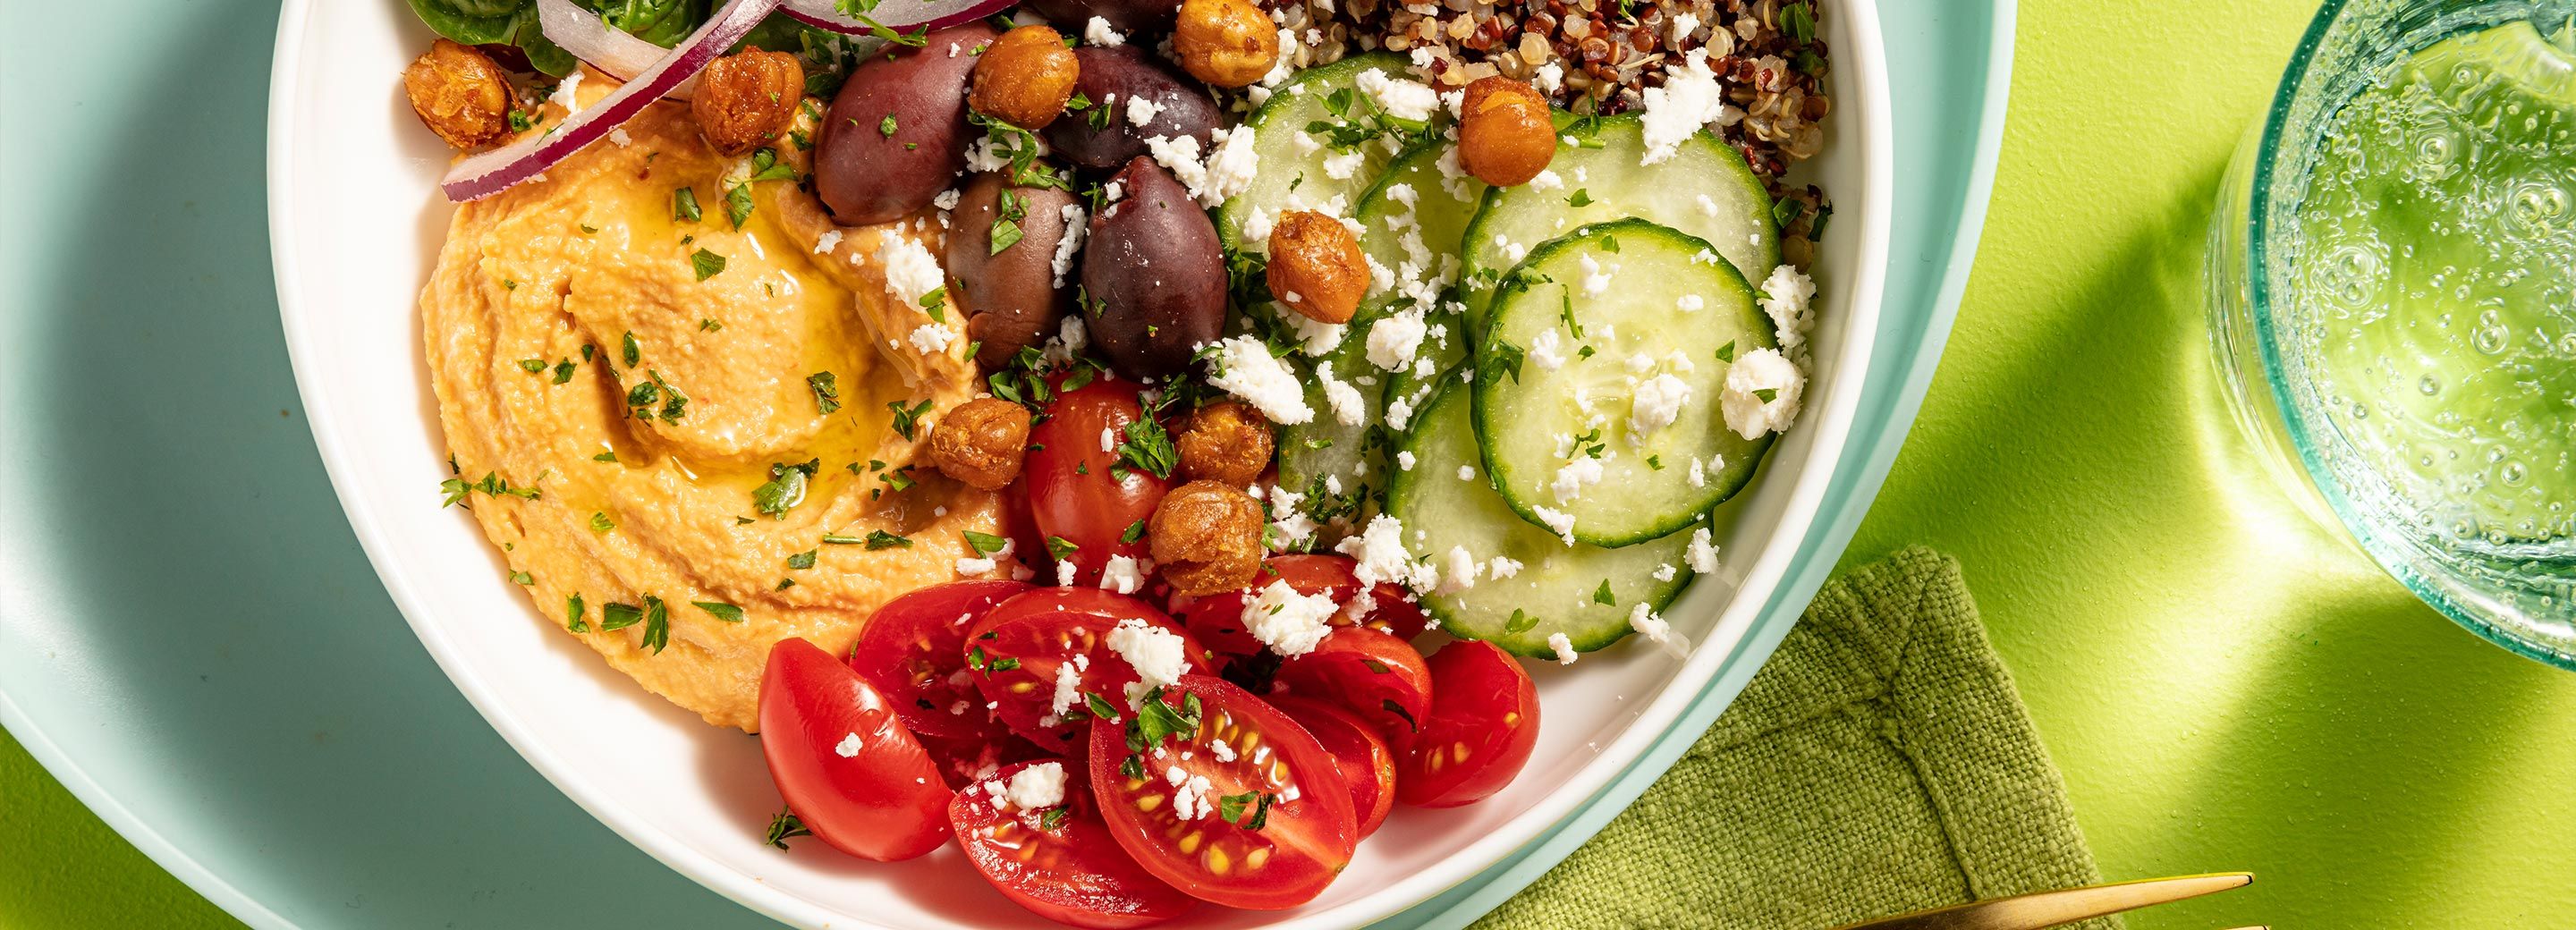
[2303,441]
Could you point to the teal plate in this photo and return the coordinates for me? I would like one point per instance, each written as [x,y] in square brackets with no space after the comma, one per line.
[192,643]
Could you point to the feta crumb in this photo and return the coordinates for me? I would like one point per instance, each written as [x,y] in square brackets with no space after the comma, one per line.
[1037,787]
[1690,99]
[1068,684]
[1190,800]
[1342,165]
[1761,370]
[1395,341]
[1155,653]
[1141,110]
[829,240]
[1576,475]
[1784,298]
[1064,573]
[1222,752]
[910,270]
[1460,573]
[1099,32]
[1558,521]
[1665,572]
[1702,554]
[1550,77]
[1546,181]
[1348,407]
[1466,473]
[1564,648]
[1245,368]
[567,94]
[1315,337]
[1503,567]
[1545,350]
[1380,552]
[619,136]
[1291,624]
[947,199]
[1121,575]
[850,744]
[1399,97]
[1655,404]
[980,564]
[1077,224]
[930,338]
[1404,460]
[1596,279]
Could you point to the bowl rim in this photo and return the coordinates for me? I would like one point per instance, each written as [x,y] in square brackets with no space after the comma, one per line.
[1861,76]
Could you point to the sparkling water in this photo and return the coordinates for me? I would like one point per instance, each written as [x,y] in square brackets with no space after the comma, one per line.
[2431,307]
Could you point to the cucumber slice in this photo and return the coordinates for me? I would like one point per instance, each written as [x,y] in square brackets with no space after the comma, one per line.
[1293,179]
[1599,315]
[1584,592]
[1338,466]
[1705,190]
[1440,206]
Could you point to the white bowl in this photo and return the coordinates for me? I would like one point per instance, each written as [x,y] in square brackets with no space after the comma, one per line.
[355,222]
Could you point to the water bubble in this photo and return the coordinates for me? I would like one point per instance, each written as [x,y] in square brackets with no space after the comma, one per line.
[2489,340]
[2512,474]
[2429,385]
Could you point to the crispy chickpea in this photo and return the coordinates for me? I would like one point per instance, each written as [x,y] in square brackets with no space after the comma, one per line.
[980,442]
[1316,266]
[459,93]
[1206,535]
[1226,441]
[745,101]
[1505,136]
[1025,77]
[1228,43]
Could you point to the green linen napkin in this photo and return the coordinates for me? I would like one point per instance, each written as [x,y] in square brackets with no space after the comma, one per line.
[1881,763]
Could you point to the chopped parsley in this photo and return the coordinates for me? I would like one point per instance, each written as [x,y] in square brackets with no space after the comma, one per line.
[827,390]
[707,264]
[1061,548]
[985,543]
[803,560]
[600,523]
[575,613]
[880,539]
[907,419]
[786,826]
[719,610]
[684,205]
[785,488]
[1602,595]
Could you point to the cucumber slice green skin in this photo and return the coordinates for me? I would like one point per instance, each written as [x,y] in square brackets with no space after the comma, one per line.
[1285,172]
[1354,457]
[1616,186]
[1519,420]
[1556,586]
[1443,206]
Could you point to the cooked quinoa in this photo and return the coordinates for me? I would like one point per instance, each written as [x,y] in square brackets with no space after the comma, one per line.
[1599,56]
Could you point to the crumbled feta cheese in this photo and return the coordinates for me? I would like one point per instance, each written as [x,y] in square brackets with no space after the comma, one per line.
[1099,32]
[1154,652]
[1564,648]
[947,199]
[1683,24]
[1315,337]
[1399,97]
[1379,550]
[1068,684]
[1576,475]
[1707,207]
[1752,374]
[619,136]
[1245,368]
[1399,412]
[1546,181]
[1596,279]
[1037,787]
[1141,111]
[910,270]
[1404,460]
[1666,572]
[984,154]
[1064,573]
[977,565]
[1348,407]
[1702,554]
[1342,165]
[1190,800]
[1077,224]
[850,745]
[1121,575]
[1546,351]
[1784,298]
[1655,404]
[1460,573]
[567,95]
[1394,341]
[1558,521]
[1691,303]
[1652,626]
[1690,99]
[1503,567]
[1291,624]
[1466,473]
[1698,475]
[1222,752]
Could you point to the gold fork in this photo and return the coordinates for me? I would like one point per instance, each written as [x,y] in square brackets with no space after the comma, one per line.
[2051,908]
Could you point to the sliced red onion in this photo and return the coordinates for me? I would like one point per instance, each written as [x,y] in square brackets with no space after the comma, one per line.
[590,38]
[494,171]
[893,14]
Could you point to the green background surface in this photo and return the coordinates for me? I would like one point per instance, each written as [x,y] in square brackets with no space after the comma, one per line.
[2224,684]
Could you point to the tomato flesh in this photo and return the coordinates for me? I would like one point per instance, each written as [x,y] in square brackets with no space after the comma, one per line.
[1076,491]
[965,760]
[1260,858]
[1366,762]
[1371,674]
[913,650]
[1064,867]
[1013,653]
[1217,619]
[1483,724]
[843,760]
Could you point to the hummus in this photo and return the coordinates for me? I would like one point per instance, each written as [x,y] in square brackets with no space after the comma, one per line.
[637,385]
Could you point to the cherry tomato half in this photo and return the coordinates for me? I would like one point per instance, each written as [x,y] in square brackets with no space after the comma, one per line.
[1371,674]
[1060,862]
[913,650]
[843,760]
[1013,654]
[1078,492]
[1217,619]
[1224,796]
[1363,757]
[1483,723]
[966,760]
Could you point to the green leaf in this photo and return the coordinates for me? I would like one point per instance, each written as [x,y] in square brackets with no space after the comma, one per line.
[657,624]
[1602,595]
[907,419]
[880,539]
[827,390]
[1521,622]
[619,616]
[985,543]
[684,208]
[1767,395]
[1135,531]
[629,350]
[574,613]
[785,488]
[1053,818]
[738,204]
[563,371]
[1060,547]
[784,827]
[707,264]
[532,365]
[1157,720]
[803,560]
[1145,446]
[1726,353]
[720,610]
[600,523]
[1005,235]
[1580,198]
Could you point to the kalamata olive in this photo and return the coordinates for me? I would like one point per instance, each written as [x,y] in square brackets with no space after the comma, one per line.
[1148,17]
[1014,295]
[896,135]
[1110,78]
[1154,274]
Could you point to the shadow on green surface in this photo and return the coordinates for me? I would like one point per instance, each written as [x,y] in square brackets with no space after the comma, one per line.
[223,607]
